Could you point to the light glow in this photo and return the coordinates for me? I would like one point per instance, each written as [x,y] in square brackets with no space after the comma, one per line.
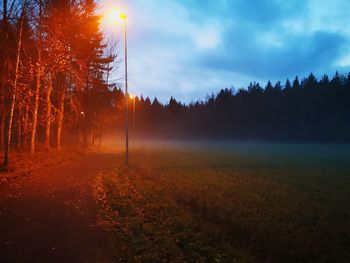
[114,16]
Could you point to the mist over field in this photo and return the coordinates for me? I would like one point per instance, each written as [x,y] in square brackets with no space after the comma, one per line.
[273,201]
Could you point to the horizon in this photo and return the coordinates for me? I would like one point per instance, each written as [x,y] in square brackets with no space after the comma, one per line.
[235,90]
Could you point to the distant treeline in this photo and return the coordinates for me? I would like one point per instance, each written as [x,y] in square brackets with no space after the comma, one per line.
[302,110]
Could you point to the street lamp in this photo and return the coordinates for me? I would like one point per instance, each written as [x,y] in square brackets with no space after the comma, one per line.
[123,17]
[113,16]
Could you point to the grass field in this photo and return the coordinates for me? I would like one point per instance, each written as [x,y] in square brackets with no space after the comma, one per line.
[229,202]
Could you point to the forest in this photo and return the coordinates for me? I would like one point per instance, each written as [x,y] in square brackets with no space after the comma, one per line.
[54,71]
[305,110]
[55,89]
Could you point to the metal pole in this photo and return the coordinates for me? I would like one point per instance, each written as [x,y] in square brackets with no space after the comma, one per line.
[126,97]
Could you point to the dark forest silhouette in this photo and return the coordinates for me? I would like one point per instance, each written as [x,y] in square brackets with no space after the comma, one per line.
[305,110]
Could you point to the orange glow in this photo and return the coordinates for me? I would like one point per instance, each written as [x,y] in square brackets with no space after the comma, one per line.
[131,97]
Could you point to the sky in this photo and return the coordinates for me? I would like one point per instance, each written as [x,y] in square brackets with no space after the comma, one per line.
[189,49]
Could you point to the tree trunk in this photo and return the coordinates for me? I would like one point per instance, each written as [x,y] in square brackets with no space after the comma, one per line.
[13,97]
[48,113]
[60,120]
[85,139]
[36,104]
[37,85]
[4,16]
[93,134]
[101,131]
[19,132]
[93,130]
[2,124]
[2,74]
[25,127]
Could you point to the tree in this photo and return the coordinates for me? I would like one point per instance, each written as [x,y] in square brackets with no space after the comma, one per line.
[288,85]
[57,70]
[296,84]
[14,89]
[38,75]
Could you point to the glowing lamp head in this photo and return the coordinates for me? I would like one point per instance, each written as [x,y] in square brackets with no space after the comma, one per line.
[131,96]
[113,16]
[122,16]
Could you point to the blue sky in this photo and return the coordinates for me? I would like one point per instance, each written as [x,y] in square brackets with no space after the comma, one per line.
[190,48]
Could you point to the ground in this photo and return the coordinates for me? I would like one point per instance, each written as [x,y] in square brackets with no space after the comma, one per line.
[49,215]
[183,202]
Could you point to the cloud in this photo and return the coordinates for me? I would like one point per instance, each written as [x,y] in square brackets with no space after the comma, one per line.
[207,38]
[300,55]
[189,48]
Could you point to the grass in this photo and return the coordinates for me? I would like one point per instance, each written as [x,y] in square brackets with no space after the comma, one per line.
[230,202]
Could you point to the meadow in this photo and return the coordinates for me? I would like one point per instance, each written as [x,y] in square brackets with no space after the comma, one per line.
[228,202]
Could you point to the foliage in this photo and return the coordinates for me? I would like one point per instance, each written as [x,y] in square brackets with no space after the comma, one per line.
[61,76]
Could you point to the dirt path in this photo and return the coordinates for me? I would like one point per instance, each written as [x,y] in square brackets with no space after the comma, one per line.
[50,216]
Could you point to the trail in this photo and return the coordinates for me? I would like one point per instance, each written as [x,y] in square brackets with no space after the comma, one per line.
[50,215]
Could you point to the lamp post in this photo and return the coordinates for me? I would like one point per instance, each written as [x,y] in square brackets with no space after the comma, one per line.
[123,17]
[113,16]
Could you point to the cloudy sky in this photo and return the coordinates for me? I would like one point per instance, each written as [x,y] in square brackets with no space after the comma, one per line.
[191,48]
